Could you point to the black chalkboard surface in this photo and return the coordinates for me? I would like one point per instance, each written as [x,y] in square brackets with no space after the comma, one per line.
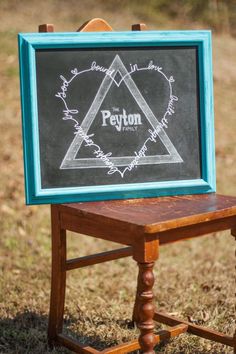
[120,116]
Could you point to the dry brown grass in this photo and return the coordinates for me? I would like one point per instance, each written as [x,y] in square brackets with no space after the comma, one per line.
[193,279]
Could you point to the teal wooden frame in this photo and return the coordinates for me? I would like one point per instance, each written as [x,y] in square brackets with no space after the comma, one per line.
[30,42]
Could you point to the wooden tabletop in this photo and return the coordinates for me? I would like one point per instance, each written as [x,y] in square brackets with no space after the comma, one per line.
[157,214]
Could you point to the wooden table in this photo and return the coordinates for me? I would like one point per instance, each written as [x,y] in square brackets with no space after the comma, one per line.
[142,225]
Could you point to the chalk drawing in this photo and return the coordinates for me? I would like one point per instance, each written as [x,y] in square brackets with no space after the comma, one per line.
[103,159]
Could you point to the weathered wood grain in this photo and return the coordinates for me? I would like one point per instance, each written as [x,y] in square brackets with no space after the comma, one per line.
[155,215]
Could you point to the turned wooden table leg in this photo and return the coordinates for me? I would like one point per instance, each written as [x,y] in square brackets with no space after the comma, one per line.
[145,253]
[146,308]
[58,278]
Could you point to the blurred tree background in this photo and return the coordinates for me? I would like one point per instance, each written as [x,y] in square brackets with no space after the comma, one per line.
[217,14]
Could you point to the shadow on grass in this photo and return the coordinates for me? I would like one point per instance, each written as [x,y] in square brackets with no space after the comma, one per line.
[26,333]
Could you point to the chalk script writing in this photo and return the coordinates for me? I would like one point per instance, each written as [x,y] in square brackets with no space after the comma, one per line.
[98,152]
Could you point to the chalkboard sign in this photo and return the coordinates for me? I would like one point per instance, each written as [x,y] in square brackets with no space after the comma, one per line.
[116,115]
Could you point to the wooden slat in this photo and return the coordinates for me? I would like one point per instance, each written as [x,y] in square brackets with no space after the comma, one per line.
[74,345]
[88,226]
[98,258]
[200,229]
[175,331]
[123,348]
[195,329]
[162,335]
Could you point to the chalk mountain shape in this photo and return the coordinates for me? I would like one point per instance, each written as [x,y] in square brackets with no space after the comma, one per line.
[71,162]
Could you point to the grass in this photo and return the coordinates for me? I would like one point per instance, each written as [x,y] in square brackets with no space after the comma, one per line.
[194,279]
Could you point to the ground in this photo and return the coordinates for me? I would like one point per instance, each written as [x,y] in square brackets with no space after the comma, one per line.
[194,278]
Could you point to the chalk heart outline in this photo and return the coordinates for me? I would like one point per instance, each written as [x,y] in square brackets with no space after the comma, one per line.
[106,160]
